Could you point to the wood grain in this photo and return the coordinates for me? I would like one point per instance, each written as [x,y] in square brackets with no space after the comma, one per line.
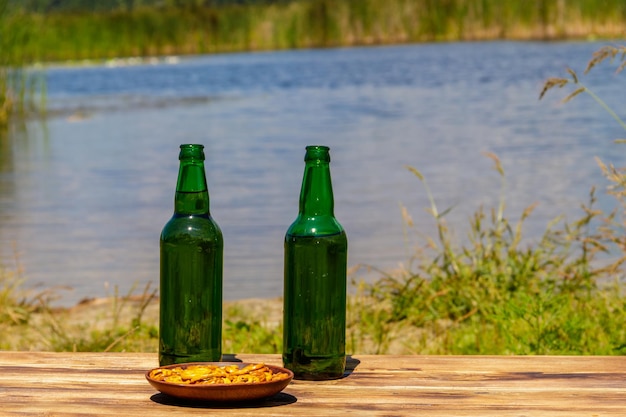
[88,384]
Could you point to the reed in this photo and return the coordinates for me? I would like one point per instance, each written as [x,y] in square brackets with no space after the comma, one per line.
[18,87]
[309,23]
[6,61]
[493,295]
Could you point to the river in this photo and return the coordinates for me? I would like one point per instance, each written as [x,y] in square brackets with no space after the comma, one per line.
[85,192]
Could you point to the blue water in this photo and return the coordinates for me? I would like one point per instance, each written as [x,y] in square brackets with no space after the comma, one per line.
[85,192]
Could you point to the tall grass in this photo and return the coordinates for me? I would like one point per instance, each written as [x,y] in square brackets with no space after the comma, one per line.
[311,23]
[7,49]
[494,295]
[18,88]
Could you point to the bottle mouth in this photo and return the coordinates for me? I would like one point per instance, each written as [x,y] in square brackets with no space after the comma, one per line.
[191,151]
[317,153]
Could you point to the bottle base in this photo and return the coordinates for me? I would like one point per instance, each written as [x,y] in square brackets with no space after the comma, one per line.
[316,368]
[318,376]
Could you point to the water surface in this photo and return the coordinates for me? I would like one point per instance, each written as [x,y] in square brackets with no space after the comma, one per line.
[84,195]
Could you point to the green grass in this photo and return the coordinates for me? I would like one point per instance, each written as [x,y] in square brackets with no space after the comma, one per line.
[495,296]
[19,89]
[248,330]
[307,23]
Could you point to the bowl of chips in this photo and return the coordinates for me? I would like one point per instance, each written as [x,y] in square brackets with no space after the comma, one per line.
[220,381]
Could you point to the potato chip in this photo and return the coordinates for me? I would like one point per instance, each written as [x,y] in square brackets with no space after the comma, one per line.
[213,374]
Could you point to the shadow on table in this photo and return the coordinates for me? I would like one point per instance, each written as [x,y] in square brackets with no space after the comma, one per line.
[351,364]
[230,357]
[275,401]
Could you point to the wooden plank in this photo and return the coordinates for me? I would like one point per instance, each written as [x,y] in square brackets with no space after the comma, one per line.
[81,384]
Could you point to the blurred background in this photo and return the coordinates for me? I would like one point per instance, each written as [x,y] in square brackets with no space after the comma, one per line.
[96,97]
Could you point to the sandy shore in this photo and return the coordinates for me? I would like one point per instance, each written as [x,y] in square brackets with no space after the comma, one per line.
[106,308]
[88,317]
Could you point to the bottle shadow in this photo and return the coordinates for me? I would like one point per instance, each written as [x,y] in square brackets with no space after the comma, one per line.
[351,364]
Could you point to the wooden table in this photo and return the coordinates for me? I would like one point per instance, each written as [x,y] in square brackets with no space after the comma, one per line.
[87,384]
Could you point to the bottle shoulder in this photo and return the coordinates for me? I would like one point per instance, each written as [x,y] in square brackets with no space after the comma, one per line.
[203,227]
[315,226]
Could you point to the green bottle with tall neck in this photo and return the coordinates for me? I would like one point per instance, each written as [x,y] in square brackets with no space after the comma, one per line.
[316,249]
[191,246]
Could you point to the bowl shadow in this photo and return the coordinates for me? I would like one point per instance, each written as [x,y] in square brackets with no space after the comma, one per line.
[276,400]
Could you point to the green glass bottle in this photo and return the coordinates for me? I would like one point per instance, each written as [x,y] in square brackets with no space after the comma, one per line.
[191,245]
[316,249]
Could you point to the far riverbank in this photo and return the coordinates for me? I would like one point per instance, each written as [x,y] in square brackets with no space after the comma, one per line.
[163,31]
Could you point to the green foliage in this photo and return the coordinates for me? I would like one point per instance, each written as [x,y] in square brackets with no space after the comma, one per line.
[29,322]
[69,6]
[494,296]
[16,306]
[78,29]
[110,333]
[18,88]
[248,332]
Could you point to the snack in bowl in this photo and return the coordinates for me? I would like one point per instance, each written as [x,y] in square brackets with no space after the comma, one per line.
[214,374]
[220,381]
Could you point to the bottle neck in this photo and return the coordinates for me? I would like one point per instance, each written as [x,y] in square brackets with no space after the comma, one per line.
[316,216]
[192,195]
[316,195]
